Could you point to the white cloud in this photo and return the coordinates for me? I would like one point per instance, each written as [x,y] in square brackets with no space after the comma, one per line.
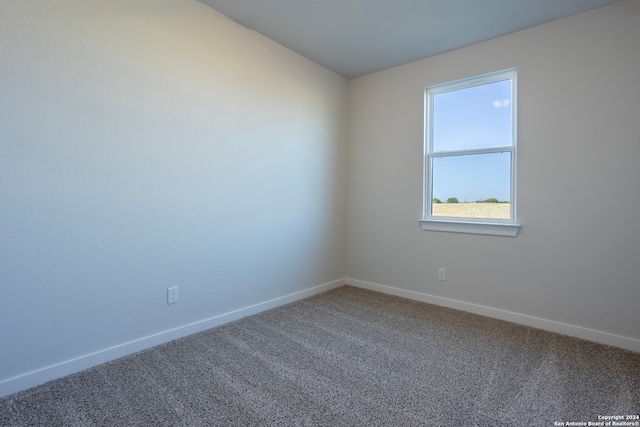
[501,103]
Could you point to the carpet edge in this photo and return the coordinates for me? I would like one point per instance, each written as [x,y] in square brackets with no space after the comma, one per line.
[575,331]
[58,370]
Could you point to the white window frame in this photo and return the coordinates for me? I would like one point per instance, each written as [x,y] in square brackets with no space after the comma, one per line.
[491,226]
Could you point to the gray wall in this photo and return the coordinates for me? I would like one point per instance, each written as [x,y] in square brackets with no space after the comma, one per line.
[575,267]
[147,144]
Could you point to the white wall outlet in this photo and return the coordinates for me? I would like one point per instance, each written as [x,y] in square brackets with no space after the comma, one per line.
[172,295]
[442,274]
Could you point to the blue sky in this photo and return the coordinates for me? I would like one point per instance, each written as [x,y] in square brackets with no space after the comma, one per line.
[472,118]
[472,178]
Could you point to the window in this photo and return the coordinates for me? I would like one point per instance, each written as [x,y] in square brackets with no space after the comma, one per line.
[470,155]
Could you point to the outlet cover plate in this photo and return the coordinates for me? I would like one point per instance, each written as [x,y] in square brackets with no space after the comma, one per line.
[172,295]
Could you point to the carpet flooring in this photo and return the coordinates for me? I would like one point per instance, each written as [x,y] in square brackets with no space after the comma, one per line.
[347,357]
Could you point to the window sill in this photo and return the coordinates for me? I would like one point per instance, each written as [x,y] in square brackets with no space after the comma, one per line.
[454,226]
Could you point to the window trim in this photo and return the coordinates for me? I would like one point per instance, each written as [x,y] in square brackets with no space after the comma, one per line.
[500,227]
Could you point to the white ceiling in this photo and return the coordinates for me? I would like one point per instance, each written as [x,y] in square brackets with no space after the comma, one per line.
[358,37]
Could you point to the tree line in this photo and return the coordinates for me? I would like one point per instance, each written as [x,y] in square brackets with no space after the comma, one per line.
[455,200]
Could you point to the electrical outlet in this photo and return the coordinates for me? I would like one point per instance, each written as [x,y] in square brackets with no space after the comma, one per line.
[442,274]
[172,295]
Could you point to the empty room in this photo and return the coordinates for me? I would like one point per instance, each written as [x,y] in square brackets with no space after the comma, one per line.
[285,212]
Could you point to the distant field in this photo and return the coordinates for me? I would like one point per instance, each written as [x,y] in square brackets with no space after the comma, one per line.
[473,210]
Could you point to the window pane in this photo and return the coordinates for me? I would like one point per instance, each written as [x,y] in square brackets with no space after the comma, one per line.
[472,186]
[475,117]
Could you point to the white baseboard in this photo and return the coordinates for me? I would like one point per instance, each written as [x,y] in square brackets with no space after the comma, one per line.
[59,370]
[523,319]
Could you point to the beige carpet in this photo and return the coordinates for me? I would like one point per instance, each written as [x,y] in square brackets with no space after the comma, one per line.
[348,357]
